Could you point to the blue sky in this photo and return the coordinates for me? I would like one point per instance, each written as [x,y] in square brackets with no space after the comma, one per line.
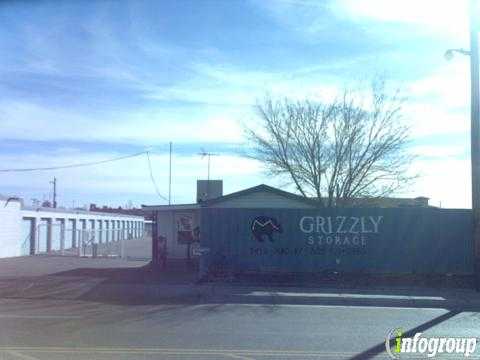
[91,80]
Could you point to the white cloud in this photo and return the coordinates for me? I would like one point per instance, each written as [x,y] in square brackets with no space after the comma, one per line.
[448,17]
[206,125]
[302,16]
[307,17]
[440,151]
[446,182]
[439,103]
[26,120]
[30,121]
[428,120]
[223,84]
[448,85]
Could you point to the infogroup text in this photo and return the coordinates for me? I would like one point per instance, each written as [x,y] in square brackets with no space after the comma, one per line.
[430,346]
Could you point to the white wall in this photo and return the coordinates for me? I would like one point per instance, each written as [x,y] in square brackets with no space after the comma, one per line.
[167,228]
[10,228]
[14,230]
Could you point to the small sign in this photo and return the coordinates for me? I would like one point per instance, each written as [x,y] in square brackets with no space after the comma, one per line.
[184,224]
[200,251]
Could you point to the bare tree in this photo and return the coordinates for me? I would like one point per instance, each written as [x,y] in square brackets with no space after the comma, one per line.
[337,152]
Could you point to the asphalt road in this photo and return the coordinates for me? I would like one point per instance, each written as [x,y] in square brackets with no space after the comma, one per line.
[49,329]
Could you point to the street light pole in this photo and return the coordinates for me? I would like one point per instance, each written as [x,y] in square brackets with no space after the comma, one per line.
[475,137]
[474,131]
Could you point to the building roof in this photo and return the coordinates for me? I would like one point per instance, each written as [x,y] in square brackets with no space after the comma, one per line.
[234,195]
[77,211]
[359,202]
[10,198]
[256,189]
[148,208]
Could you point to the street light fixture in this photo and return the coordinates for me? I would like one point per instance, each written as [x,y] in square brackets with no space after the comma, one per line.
[450,52]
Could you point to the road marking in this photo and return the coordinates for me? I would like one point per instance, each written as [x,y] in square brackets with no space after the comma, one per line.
[183,351]
[239,357]
[16,316]
[63,289]
[370,307]
[244,354]
[343,295]
[32,284]
[21,356]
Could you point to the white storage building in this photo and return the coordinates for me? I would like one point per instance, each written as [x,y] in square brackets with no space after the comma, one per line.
[37,230]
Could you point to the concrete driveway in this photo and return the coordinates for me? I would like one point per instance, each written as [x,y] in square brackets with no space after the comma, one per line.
[31,266]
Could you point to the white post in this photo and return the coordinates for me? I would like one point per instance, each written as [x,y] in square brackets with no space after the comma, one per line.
[122,242]
[62,236]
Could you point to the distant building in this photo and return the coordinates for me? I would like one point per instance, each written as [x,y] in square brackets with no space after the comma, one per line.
[384,202]
[120,210]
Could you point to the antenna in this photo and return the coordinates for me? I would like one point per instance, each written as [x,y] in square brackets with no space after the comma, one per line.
[204,153]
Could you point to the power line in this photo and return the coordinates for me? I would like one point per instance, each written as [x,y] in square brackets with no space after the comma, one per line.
[92,163]
[74,165]
[153,179]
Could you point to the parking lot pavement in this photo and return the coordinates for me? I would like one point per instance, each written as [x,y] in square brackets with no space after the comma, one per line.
[31,266]
[93,280]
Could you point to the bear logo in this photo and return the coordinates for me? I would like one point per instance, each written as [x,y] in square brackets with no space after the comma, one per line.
[265,226]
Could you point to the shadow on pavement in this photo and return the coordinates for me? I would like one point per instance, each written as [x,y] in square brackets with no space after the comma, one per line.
[380,348]
[135,275]
[146,285]
[122,285]
[357,280]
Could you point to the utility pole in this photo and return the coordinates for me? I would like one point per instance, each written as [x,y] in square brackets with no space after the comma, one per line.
[54,183]
[475,136]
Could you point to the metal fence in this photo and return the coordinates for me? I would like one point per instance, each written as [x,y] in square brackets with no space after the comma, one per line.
[375,240]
